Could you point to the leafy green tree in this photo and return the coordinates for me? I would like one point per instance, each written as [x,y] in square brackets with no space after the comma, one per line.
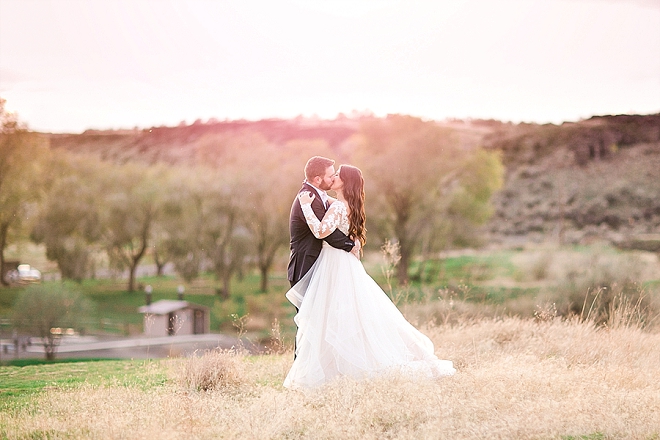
[257,173]
[421,183]
[264,175]
[23,174]
[69,221]
[266,217]
[225,239]
[128,212]
[202,225]
[172,196]
[271,192]
[480,175]
[178,235]
[158,249]
[238,209]
[41,309]
[266,201]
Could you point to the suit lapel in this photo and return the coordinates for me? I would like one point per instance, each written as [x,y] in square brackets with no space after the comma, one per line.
[317,198]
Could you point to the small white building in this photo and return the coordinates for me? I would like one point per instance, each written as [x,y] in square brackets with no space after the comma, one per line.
[168,317]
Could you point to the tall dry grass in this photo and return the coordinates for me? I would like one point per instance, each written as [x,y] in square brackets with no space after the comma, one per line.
[517,378]
[597,284]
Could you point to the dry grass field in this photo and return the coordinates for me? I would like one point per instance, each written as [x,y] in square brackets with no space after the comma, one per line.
[544,378]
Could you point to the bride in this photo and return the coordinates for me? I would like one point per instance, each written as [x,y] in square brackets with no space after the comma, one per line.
[347,325]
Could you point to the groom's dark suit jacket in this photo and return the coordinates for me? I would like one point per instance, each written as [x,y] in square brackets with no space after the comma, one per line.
[305,248]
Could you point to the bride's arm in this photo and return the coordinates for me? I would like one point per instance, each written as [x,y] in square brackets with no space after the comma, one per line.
[320,228]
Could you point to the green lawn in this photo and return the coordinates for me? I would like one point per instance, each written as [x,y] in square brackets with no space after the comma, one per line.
[465,268]
[492,278]
[7,297]
[117,308]
[20,383]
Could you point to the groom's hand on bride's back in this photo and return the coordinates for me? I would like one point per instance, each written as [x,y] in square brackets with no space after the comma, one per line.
[356,249]
[306,197]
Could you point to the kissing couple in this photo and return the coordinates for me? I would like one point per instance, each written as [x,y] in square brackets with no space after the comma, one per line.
[347,325]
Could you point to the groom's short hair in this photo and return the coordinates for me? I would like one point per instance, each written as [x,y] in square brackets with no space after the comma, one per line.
[316,166]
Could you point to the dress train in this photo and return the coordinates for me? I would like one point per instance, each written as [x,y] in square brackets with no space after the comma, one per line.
[348,326]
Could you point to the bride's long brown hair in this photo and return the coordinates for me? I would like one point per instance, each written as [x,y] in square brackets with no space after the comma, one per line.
[354,194]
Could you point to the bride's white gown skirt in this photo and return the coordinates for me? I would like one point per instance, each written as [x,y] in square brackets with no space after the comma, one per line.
[347,326]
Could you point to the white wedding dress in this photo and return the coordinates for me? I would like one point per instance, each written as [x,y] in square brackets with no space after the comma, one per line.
[347,325]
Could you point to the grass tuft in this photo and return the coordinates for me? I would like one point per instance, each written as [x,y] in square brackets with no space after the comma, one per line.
[213,370]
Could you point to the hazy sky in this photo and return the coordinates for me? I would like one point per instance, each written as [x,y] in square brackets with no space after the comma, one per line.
[69,65]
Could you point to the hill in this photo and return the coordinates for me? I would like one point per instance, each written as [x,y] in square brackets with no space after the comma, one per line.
[578,182]
[575,182]
[178,144]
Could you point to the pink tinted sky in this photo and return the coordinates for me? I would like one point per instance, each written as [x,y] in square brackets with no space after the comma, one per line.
[70,65]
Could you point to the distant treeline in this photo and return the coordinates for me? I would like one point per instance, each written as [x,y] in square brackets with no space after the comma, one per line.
[216,197]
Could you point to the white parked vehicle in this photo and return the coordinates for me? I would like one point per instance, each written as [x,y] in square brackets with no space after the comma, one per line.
[24,274]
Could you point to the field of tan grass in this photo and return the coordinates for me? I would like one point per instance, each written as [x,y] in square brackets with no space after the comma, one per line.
[516,379]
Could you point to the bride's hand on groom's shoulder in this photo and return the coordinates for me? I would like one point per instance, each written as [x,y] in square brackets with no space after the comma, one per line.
[305,197]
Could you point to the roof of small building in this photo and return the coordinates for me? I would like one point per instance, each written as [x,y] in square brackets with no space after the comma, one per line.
[165,306]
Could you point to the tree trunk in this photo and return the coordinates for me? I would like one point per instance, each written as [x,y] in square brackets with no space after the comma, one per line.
[226,284]
[562,213]
[49,348]
[160,265]
[135,260]
[402,267]
[419,274]
[263,268]
[402,210]
[406,246]
[3,244]
[131,277]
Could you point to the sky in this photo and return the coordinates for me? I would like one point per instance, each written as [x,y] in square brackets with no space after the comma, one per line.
[72,65]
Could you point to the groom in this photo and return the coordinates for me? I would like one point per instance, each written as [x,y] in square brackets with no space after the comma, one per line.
[305,248]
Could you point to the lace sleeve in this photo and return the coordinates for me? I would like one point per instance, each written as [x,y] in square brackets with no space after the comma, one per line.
[330,222]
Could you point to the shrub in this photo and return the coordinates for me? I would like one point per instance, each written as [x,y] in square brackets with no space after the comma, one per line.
[212,371]
[535,267]
[604,289]
[42,310]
